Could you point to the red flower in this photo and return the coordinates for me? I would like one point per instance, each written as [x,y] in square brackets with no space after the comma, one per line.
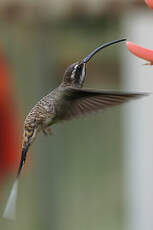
[10,133]
[149,3]
[140,52]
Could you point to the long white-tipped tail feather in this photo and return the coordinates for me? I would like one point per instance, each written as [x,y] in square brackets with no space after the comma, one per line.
[10,209]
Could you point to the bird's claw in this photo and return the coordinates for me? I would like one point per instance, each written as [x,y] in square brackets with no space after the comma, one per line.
[47,131]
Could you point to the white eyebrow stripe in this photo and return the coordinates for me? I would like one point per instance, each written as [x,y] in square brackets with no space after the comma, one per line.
[75,66]
[73,73]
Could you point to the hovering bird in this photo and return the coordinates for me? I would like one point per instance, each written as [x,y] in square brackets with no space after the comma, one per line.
[66,102]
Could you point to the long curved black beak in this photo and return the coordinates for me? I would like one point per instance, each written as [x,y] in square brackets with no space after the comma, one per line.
[86,59]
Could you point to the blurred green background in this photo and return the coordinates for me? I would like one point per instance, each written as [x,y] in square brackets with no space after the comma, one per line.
[75,176]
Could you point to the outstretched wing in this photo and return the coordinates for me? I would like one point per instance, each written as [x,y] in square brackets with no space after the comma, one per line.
[79,102]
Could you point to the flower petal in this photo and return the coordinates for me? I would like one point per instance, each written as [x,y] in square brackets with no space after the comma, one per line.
[140,51]
[149,3]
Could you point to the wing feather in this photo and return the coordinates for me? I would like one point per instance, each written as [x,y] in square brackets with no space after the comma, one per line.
[80,102]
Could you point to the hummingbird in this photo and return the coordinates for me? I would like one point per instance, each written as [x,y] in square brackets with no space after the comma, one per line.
[68,101]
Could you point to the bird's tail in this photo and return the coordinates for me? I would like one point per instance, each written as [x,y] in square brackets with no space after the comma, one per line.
[10,209]
[23,159]
[28,138]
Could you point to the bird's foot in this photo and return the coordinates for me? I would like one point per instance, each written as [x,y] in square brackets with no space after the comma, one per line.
[47,131]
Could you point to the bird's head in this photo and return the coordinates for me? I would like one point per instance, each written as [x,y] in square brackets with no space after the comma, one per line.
[75,74]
